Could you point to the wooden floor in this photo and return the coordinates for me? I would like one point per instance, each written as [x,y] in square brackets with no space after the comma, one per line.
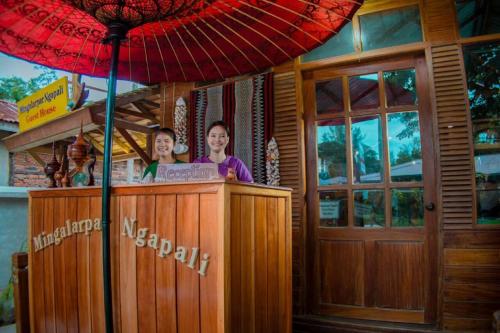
[318,324]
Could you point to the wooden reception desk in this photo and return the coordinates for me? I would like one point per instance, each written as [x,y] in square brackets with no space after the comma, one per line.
[205,257]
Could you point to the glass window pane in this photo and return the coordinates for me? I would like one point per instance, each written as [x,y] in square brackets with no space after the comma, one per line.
[333,209]
[407,207]
[488,206]
[367,158]
[331,152]
[329,96]
[363,91]
[341,43]
[369,208]
[482,65]
[400,87]
[478,17]
[405,151]
[390,28]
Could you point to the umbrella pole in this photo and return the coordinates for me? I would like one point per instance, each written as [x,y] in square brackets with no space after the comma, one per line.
[116,32]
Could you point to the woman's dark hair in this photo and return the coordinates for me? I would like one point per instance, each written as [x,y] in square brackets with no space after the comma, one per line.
[218,123]
[168,131]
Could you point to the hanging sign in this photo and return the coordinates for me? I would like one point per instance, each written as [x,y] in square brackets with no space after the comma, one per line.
[329,209]
[186,172]
[44,105]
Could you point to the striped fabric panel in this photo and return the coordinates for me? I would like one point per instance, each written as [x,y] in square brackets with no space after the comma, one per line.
[243,122]
[258,129]
[229,104]
[199,119]
[214,110]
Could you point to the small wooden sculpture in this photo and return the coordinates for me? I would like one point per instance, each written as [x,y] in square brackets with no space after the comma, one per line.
[79,154]
[52,167]
[78,151]
[61,176]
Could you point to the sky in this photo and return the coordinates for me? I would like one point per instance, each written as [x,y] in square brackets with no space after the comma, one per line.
[10,66]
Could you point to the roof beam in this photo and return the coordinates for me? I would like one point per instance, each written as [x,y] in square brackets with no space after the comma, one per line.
[134,145]
[58,129]
[150,103]
[37,158]
[100,119]
[142,115]
[94,143]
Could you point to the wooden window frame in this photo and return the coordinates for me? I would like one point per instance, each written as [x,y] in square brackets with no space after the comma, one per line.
[461,44]
[370,8]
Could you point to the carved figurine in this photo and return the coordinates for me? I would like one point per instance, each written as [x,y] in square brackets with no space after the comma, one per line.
[61,175]
[52,167]
[79,154]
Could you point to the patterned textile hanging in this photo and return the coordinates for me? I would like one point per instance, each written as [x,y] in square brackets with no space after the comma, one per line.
[247,108]
[180,126]
[273,163]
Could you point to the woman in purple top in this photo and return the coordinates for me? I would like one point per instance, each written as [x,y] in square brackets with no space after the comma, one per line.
[229,166]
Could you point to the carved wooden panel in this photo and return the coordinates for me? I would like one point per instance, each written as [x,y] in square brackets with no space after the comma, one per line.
[341,279]
[400,275]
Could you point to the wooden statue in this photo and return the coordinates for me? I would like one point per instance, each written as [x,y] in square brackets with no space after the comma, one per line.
[52,167]
[78,152]
[61,176]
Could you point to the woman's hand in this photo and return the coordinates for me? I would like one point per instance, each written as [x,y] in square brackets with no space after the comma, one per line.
[231,174]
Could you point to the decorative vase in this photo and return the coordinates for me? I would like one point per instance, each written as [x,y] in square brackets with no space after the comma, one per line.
[52,167]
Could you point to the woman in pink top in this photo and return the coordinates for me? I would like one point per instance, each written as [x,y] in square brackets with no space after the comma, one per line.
[229,166]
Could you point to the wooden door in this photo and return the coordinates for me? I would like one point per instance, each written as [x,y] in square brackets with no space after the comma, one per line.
[371,192]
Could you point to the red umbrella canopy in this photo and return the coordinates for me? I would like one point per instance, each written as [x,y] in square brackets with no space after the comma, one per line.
[177,40]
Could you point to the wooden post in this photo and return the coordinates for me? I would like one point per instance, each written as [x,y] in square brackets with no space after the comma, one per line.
[21,292]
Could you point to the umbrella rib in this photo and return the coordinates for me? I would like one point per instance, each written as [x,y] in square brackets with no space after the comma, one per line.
[328,9]
[97,57]
[68,38]
[145,54]
[281,19]
[299,14]
[267,25]
[189,51]
[50,36]
[216,46]
[228,40]
[81,48]
[161,56]
[243,39]
[257,32]
[173,50]
[201,47]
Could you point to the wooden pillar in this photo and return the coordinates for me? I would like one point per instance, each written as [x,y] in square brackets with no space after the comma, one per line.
[21,291]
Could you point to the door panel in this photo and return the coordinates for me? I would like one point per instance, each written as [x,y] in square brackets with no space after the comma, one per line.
[370,175]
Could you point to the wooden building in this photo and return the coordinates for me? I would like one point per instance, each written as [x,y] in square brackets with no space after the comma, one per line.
[389,137]
[385,242]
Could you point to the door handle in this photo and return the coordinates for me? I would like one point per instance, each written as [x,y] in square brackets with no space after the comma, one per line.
[430,206]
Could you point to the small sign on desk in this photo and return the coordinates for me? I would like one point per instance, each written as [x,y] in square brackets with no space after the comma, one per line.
[186,172]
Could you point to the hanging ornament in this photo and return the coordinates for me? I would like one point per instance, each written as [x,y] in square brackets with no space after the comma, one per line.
[272,163]
[180,126]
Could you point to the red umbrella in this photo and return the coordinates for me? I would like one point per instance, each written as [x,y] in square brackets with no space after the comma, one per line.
[151,41]
[183,40]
